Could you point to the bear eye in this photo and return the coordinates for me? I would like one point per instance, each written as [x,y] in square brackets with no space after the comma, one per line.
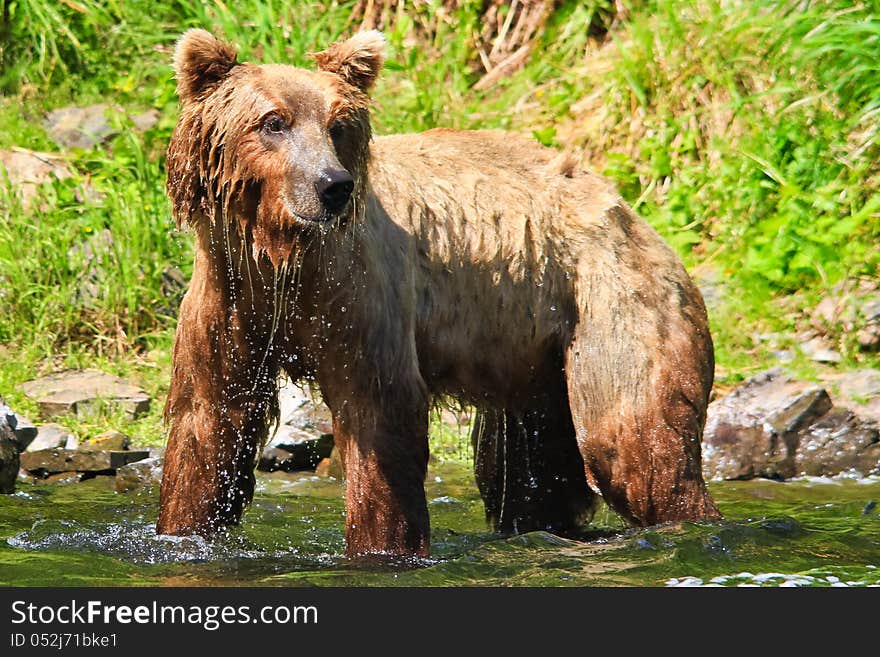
[274,124]
[336,130]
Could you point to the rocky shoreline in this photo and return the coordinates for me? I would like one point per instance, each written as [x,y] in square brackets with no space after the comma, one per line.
[771,426]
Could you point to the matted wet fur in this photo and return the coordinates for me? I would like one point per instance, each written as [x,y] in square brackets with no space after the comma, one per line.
[390,271]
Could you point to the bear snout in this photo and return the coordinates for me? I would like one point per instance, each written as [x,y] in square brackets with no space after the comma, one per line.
[334,187]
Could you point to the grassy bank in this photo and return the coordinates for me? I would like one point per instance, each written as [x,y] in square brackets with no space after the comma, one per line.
[746,132]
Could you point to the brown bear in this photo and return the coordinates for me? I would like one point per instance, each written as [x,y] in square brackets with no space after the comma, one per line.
[397,271]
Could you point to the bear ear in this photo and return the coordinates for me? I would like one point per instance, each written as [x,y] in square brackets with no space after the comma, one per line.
[357,60]
[201,61]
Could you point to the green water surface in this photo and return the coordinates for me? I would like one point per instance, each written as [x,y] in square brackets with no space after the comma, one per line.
[820,532]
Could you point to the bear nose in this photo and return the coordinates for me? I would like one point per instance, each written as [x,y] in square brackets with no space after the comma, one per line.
[334,186]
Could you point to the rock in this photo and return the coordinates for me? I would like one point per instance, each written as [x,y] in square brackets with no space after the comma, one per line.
[869,338]
[851,308]
[870,309]
[783,355]
[827,312]
[22,428]
[146,120]
[753,431]
[53,436]
[271,459]
[777,428]
[147,472]
[304,433]
[109,440]
[868,331]
[838,442]
[63,478]
[68,460]
[9,457]
[820,351]
[298,409]
[294,456]
[27,170]
[331,466]
[82,393]
[79,127]
[869,411]
[862,384]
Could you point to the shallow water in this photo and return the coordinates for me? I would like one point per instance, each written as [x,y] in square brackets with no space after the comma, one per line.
[819,532]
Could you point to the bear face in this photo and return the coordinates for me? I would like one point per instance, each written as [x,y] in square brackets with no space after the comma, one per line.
[277,150]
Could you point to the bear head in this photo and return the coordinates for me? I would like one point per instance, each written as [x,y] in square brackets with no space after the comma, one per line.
[275,151]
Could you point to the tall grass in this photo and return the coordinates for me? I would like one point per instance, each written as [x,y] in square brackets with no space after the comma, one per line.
[746,132]
[83,261]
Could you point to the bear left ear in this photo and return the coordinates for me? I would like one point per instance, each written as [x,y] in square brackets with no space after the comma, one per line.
[357,60]
[201,61]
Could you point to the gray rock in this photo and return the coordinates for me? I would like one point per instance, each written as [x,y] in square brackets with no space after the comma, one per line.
[862,384]
[9,457]
[62,478]
[291,457]
[838,442]
[851,308]
[868,333]
[870,309]
[28,170]
[50,461]
[23,429]
[777,428]
[82,393]
[869,411]
[828,312]
[145,120]
[820,351]
[79,127]
[783,355]
[53,436]
[753,431]
[298,409]
[869,337]
[303,436]
[140,474]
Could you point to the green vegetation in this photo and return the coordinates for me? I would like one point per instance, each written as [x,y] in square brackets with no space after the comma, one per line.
[746,132]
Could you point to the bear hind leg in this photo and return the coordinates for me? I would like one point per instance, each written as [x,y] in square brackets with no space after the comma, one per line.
[529,471]
[644,455]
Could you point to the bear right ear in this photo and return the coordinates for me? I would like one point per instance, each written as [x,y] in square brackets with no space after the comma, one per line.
[201,61]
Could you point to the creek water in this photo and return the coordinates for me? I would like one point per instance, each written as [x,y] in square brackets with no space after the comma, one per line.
[809,532]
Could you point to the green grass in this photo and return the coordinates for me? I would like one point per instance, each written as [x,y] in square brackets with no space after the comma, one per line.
[745,132]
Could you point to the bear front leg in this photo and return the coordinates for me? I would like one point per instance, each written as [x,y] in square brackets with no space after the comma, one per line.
[385,458]
[222,394]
